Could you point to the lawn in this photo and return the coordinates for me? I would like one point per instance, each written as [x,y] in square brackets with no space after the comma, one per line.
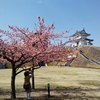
[68,81]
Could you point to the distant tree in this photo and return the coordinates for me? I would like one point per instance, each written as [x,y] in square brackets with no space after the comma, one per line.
[20,46]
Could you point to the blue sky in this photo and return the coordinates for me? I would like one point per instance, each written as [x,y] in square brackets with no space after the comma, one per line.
[65,14]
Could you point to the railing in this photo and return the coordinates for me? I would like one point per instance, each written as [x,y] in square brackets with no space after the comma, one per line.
[88,58]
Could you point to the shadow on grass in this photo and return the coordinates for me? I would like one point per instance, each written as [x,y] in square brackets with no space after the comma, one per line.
[65,93]
[63,97]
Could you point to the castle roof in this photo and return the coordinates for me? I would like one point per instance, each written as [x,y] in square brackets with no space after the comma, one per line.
[83,39]
[80,33]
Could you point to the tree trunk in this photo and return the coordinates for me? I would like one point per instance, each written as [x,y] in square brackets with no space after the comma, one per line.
[33,83]
[13,92]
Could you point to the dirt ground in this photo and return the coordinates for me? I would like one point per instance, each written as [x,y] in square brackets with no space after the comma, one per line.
[68,94]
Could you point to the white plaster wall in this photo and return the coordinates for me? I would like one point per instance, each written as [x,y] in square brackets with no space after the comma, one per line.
[82,42]
[88,43]
[74,44]
[81,37]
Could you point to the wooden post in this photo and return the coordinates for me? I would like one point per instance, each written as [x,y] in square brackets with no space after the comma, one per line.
[48,90]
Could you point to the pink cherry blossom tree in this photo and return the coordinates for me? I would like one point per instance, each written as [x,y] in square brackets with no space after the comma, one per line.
[20,46]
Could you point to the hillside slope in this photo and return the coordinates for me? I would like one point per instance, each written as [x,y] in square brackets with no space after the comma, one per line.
[91,52]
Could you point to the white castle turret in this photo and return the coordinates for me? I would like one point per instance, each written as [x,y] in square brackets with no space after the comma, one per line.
[80,39]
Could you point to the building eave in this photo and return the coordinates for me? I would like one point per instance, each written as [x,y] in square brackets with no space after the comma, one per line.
[80,33]
[84,39]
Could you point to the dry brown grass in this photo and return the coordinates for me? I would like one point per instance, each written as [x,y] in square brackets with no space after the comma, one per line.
[90,51]
[68,81]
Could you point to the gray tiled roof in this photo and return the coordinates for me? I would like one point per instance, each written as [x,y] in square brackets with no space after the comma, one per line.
[82,33]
